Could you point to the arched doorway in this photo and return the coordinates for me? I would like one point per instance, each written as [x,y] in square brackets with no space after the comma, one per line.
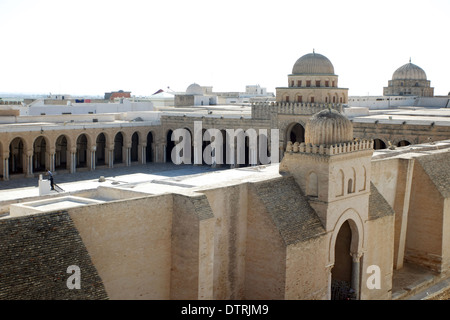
[16,156]
[403,143]
[100,150]
[296,133]
[61,153]
[39,154]
[81,151]
[341,274]
[118,148]
[135,147]
[378,144]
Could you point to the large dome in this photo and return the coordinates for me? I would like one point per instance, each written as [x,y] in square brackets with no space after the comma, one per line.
[328,127]
[313,63]
[194,89]
[409,71]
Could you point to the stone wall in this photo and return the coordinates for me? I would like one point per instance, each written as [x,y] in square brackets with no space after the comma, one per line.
[130,244]
[230,207]
[191,248]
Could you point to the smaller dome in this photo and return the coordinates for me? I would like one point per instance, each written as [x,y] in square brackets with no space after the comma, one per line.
[194,89]
[313,63]
[409,71]
[328,127]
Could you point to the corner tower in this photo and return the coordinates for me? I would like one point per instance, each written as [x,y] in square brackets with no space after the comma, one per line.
[331,167]
[333,171]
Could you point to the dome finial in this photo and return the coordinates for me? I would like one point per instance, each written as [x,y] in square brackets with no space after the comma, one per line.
[409,59]
[314,51]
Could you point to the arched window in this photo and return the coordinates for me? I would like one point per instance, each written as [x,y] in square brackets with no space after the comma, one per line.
[350,186]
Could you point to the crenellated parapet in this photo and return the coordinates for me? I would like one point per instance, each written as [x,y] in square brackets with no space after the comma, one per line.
[262,110]
[340,148]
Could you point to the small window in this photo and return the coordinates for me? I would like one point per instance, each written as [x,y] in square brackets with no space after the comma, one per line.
[308,83]
[299,83]
[292,83]
[332,84]
[317,83]
[287,98]
[300,99]
[327,83]
[312,99]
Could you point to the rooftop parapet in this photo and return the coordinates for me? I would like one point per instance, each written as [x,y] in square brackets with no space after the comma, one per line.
[335,149]
[263,109]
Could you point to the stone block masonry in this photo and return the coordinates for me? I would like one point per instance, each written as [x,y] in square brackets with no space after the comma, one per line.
[35,252]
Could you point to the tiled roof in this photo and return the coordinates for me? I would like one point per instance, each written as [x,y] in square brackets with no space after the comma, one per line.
[378,206]
[35,253]
[289,209]
[437,167]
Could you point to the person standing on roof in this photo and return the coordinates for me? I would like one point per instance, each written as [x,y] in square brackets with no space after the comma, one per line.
[51,179]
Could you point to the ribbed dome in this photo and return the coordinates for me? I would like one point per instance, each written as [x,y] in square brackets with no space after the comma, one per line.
[313,63]
[194,89]
[328,127]
[409,71]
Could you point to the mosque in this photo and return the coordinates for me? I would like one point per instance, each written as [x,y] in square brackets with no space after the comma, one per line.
[337,218]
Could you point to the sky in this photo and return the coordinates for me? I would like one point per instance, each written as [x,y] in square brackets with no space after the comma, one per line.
[89,47]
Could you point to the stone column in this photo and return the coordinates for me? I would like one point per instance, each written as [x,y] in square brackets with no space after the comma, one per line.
[127,152]
[29,163]
[156,154]
[356,257]
[51,160]
[6,166]
[92,158]
[328,269]
[110,155]
[73,160]
[142,159]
